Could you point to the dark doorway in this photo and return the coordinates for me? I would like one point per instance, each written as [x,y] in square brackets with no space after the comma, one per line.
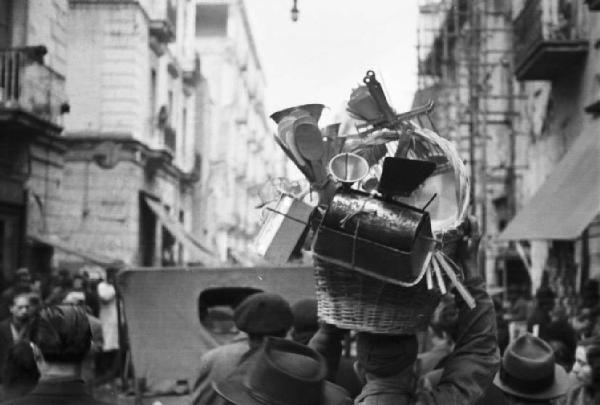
[147,235]
[5,23]
[11,239]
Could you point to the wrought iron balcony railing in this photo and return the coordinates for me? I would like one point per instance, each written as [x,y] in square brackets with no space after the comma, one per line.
[30,87]
[163,20]
[548,39]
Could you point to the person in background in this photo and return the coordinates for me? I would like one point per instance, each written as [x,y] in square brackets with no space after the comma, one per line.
[20,373]
[528,373]
[590,294]
[259,315]
[23,283]
[62,286]
[17,326]
[61,339]
[501,326]
[77,298]
[108,361]
[283,373]
[443,328]
[306,321]
[585,323]
[306,324]
[561,336]
[35,304]
[519,305]
[91,293]
[544,304]
[586,374]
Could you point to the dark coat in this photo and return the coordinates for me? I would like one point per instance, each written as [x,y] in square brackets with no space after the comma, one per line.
[216,365]
[64,392]
[468,370]
[6,341]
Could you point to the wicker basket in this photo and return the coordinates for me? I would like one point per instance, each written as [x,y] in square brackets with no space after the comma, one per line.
[355,301]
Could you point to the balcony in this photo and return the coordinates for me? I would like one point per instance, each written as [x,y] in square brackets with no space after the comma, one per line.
[32,95]
[163,20]
[548,39]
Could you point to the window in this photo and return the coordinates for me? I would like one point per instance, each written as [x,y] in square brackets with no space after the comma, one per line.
[153,106]
[216,307]
[211,20]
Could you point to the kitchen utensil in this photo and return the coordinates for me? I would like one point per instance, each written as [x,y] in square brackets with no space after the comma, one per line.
[400,177]
[303,169]
[348,167]
[314,110]
[363,106]
[379,96]
[310,145]
[331,131]
[285,129]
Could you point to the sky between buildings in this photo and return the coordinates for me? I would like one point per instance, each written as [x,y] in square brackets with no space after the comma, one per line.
[325,54]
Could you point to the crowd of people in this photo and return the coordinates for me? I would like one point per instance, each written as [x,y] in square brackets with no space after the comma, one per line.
[57,346]
[21,307]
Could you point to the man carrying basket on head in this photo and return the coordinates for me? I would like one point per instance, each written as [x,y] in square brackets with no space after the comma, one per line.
[384,255]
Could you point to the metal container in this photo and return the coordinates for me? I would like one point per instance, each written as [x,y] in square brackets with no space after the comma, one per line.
[381,238]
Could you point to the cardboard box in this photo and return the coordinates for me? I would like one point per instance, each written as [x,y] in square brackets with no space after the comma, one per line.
[283,227]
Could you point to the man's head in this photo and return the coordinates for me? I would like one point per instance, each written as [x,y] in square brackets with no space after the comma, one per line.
[545,298]
[78,282]
[528,373]
[23,277]
[561,336]
[264,314]
[587,362]
[444,322]
[306,321]
[20,309]
[62,334]
[64,278]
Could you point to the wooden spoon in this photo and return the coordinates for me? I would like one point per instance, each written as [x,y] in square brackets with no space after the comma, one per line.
[310,145]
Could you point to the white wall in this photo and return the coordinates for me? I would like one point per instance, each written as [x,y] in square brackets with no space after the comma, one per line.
[238,151]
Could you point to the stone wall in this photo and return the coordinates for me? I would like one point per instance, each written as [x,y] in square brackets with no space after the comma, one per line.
[101,208]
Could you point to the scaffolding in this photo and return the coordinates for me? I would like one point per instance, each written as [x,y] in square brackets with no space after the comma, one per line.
[464,50]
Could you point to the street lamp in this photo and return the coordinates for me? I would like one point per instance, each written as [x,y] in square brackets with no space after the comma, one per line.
[295,11]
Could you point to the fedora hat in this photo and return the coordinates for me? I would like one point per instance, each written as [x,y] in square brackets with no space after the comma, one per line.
[528,370]
[283,373]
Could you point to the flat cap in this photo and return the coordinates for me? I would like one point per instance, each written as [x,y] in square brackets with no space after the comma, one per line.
[263,314]
[305,315]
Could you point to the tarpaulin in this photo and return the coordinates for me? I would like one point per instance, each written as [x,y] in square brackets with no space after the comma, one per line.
[197,252]
[161,310]
[567,201]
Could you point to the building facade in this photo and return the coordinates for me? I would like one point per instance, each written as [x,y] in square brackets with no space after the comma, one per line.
[239,155]
[515,87]
[33,103]
[98,117]
[132,162]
